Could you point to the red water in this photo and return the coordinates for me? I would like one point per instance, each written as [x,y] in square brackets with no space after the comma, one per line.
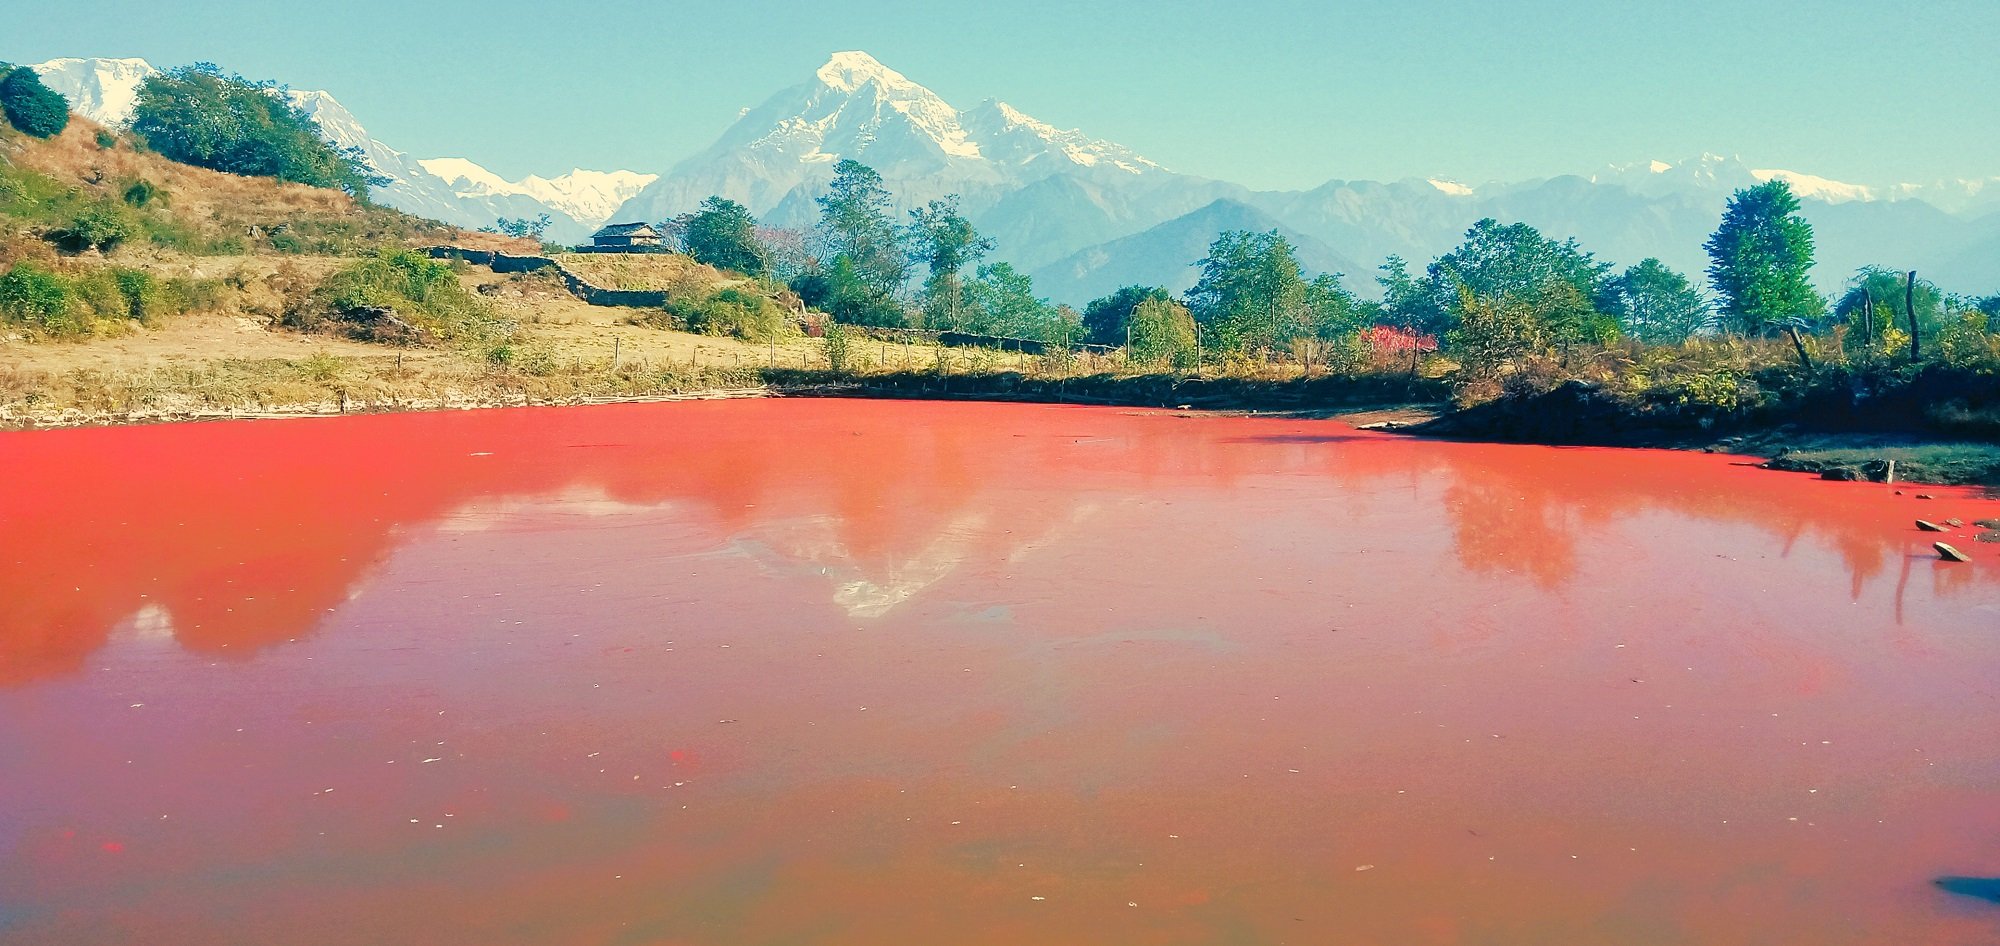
[897,673]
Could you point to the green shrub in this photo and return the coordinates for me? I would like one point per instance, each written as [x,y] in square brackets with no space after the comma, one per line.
[41,299]
[142,192]
[106,140]
[99,226]
[31,106]
[421,292]
[743,313]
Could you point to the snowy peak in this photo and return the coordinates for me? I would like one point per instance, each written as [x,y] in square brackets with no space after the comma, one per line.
[1005,133]
[589,197]
[849,71]
[1815,187]
[105,91]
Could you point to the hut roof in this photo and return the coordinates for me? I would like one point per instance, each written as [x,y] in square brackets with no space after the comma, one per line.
[625,230]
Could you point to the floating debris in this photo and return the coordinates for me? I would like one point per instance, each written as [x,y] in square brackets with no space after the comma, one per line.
[1950,554]
[1925,526]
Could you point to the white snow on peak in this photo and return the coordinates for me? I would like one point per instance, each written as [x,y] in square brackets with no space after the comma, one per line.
[1660,167]
[105,91]
[849,71]
[1809,185]
[1007,133]
[588,196]
[1453,188]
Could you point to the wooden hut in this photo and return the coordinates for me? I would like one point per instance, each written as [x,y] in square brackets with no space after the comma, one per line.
[617,237]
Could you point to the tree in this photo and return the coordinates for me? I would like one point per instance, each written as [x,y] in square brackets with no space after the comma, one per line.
[1162,332]
[854,223]
[1875,306]
[1759,257]
[1515,262]
[1002,301]
[31,106]
[524,227]
[1251,293]
[1407,302]
[198,115]
[1660,305]
[942,240]
[723,234]
[1491,331]
[1104,319]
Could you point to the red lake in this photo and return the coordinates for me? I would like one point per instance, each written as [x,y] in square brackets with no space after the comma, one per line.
[863,672]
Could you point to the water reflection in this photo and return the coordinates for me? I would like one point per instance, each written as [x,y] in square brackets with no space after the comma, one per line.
[232,537]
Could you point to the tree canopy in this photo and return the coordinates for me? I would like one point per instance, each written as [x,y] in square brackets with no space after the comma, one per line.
[1251,292]
[198,115]
[1105,318]
[31,106]
[1759,258]
[862,260]
[1661,306]
[723,234]
[943,241]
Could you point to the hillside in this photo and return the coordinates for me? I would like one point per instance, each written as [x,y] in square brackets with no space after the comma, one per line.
[185,209]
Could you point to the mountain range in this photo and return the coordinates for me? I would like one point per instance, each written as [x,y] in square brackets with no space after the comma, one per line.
[1085,215]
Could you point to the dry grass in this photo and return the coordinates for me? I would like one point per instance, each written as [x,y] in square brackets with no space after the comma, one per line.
[661,271]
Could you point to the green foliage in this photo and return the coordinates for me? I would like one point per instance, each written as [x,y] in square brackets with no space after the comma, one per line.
[1492,332]
[421,292]
[100,226]
[942,240]
[106,140]
[723,234]
[1661,307]
[524,228]
[839,347]
[61,304]
[1759,258]
[1162,333]
[855,229]
[41,300]
[31,106]
[198,115]
[1876,301]
[1251,294]
[142,192]
[1001,301]
[1105,319]
[738,311]
[842,292]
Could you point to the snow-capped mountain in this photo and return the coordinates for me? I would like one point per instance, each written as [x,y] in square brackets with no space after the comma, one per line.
[102,90]
[106,91]
[586,196]
[781,154]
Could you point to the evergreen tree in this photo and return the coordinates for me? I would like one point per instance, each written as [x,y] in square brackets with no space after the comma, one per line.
[31,106]
[1759,257]
[723,234]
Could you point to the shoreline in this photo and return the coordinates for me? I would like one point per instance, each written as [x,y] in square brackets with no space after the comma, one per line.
[1874,456]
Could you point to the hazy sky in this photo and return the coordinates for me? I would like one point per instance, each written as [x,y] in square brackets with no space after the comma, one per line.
[1267,93]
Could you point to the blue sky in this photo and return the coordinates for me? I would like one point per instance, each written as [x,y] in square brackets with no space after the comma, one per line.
[1268,93]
